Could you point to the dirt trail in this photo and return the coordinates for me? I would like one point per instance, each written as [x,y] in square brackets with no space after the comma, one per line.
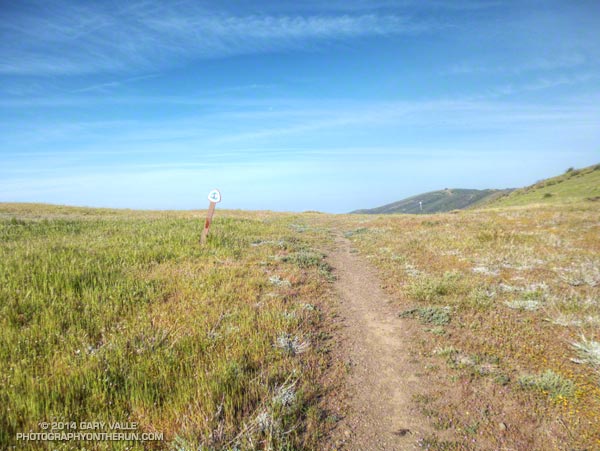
[383,376]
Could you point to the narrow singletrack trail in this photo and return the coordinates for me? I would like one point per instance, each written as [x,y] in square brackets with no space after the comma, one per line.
[383,377]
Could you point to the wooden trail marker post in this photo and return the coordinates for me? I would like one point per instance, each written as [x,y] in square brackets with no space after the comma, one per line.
[214,197]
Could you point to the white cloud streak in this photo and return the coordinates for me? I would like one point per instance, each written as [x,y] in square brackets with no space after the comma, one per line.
[370,5]
[70,39]
[565,61]
[107,86]
[259,126]
[538,85]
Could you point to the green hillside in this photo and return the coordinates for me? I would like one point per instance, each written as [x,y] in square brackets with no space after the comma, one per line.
[437,201]
[575,185]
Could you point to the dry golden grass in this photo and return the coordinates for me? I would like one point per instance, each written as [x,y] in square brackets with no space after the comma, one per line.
[513,365]
[120,315]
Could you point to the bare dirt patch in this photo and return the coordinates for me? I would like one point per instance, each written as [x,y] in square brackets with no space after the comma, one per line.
[383,378]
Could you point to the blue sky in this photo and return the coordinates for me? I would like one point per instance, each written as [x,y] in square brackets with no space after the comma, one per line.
[290,105]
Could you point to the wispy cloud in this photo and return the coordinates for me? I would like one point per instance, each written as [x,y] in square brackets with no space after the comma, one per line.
[344,122]
[397,5]
[107,86]
[565,61]
[67,38]
[538,85]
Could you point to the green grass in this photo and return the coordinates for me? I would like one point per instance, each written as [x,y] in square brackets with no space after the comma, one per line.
[308,259]
[575,185]
[113,315]
[438,316]
[549,382]
[434,288]
[120,316]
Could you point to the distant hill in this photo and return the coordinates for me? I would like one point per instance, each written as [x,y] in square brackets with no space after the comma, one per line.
[437,201]
[575,185]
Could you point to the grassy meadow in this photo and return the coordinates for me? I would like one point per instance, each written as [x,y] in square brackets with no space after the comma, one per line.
[116,315]
[509,303]
[120,316]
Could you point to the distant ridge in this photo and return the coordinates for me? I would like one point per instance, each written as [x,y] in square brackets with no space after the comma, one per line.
[437,201]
